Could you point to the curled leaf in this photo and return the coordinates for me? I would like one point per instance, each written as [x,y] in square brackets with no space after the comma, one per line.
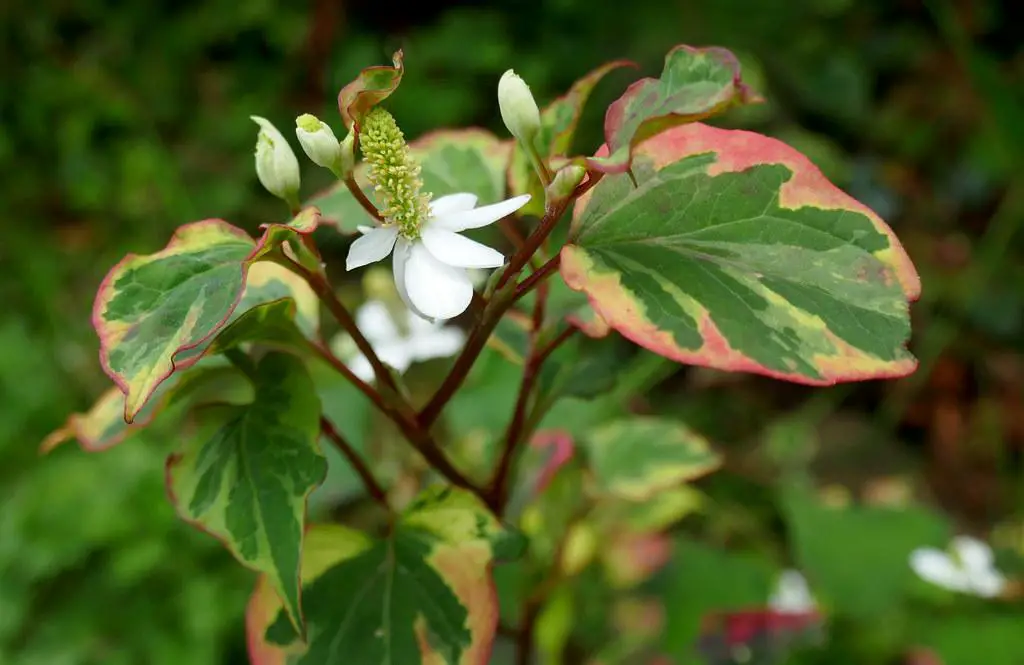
[695,83]
[371,87]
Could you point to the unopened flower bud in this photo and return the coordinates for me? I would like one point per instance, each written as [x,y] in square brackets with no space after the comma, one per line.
[276,165]
[519,111]
[565,182]
[318,141]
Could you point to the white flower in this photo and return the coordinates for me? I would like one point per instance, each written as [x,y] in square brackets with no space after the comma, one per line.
[318,141]
[518,109]
[792,595]
[276,165]
[431,271]
[969,569]
[400,346]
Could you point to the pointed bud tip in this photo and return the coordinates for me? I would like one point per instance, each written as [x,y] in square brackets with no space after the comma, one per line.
[518,108]
[276,165]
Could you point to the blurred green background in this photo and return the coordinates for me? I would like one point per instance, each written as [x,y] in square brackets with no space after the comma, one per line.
[120,121]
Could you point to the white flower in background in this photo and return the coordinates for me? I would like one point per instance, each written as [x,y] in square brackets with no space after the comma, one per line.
[792,594]
[399,346]
[968,568]
[431,271]
[276,164]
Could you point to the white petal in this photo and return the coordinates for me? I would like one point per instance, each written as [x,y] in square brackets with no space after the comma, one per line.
[452,203]
[374,246]
[937,567]
[459,251]
[397,354]
[361,367]
[474,219]
[436,291]
[791,594]
[987,584]
[403,250]
[438,343]
[974,555]
[374,321]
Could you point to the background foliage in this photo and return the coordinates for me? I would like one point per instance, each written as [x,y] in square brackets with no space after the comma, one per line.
[121,122]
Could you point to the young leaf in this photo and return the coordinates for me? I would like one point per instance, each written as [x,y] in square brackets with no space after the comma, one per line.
[290,240]
[423,595]
[103,425]
[638,457]
[247,480]
[557,128]
[451,161]
[149,308]
[695,83]
[371,87]
[734,252]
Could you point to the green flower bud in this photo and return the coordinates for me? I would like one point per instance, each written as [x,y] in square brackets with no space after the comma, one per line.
[318,141]
[565,182]
[276,165]
[519,111]
[394,173]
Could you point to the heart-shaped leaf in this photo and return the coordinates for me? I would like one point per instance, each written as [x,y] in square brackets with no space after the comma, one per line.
[246,477]
[422,595]
[636,458]
[734,252]
[150,308]
[157,314]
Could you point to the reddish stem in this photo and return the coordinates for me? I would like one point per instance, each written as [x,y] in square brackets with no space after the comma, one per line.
[372,486]
[538,276]
[368,206]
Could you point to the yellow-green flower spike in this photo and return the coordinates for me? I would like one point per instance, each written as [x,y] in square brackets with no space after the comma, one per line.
[394,173]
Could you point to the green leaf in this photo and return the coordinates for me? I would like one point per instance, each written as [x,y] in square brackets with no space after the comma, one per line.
[734,252]
[467,160]
[582,367]
[103,425]
[962,639]
[246,479]
[558,123]
[422,595]
[695,83]
[452,161]
[271,324]
[635,458]
[276,307]
[371,87]
[150,308]
[857,557]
